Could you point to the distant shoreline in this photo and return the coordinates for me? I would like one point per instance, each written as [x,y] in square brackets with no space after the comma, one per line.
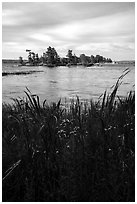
[17,61]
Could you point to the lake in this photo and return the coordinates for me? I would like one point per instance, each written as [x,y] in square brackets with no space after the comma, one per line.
[64,82]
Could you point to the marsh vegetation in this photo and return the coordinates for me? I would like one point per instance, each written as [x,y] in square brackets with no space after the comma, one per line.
[81,152]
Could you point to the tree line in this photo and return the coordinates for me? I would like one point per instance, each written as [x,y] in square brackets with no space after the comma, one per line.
[51,58]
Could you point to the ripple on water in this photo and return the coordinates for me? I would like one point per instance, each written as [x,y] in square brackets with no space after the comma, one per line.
[65,82]
[54,82]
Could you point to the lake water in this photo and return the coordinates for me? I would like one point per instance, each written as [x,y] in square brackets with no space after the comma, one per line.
[64,82]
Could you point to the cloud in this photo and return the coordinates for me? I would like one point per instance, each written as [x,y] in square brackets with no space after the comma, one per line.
[98,27]
[50,14]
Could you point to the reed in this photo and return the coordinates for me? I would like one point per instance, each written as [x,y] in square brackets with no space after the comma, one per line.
[82,153]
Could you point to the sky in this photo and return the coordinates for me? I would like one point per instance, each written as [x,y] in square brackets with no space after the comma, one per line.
[103,28]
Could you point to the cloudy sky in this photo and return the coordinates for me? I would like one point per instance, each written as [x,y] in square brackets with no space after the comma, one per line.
[106,28]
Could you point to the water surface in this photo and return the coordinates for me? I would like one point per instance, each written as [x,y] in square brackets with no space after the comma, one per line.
[63,82]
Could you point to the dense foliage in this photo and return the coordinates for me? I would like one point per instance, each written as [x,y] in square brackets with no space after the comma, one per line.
[81,152]
[51,57]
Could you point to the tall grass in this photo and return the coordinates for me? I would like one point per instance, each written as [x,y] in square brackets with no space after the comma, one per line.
[82,153]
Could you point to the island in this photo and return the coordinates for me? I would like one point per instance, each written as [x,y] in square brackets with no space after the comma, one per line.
[51,58]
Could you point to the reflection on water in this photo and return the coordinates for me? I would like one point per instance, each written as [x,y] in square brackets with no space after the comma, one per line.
[61,82]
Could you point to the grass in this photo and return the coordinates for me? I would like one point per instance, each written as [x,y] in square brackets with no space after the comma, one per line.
[82,153]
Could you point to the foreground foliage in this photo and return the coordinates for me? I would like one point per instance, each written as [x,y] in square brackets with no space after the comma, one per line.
[84,152]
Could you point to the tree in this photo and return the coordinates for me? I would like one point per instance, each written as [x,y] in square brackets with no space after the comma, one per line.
[100,58]
[44,57]
[83,59]
[110,60]
[30,58]
[75,59]
[49,55]
[104,59]
[52,56]
[37,58]
[21,60]
[33,58]
[97,58]
[70,56]
[92,59]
